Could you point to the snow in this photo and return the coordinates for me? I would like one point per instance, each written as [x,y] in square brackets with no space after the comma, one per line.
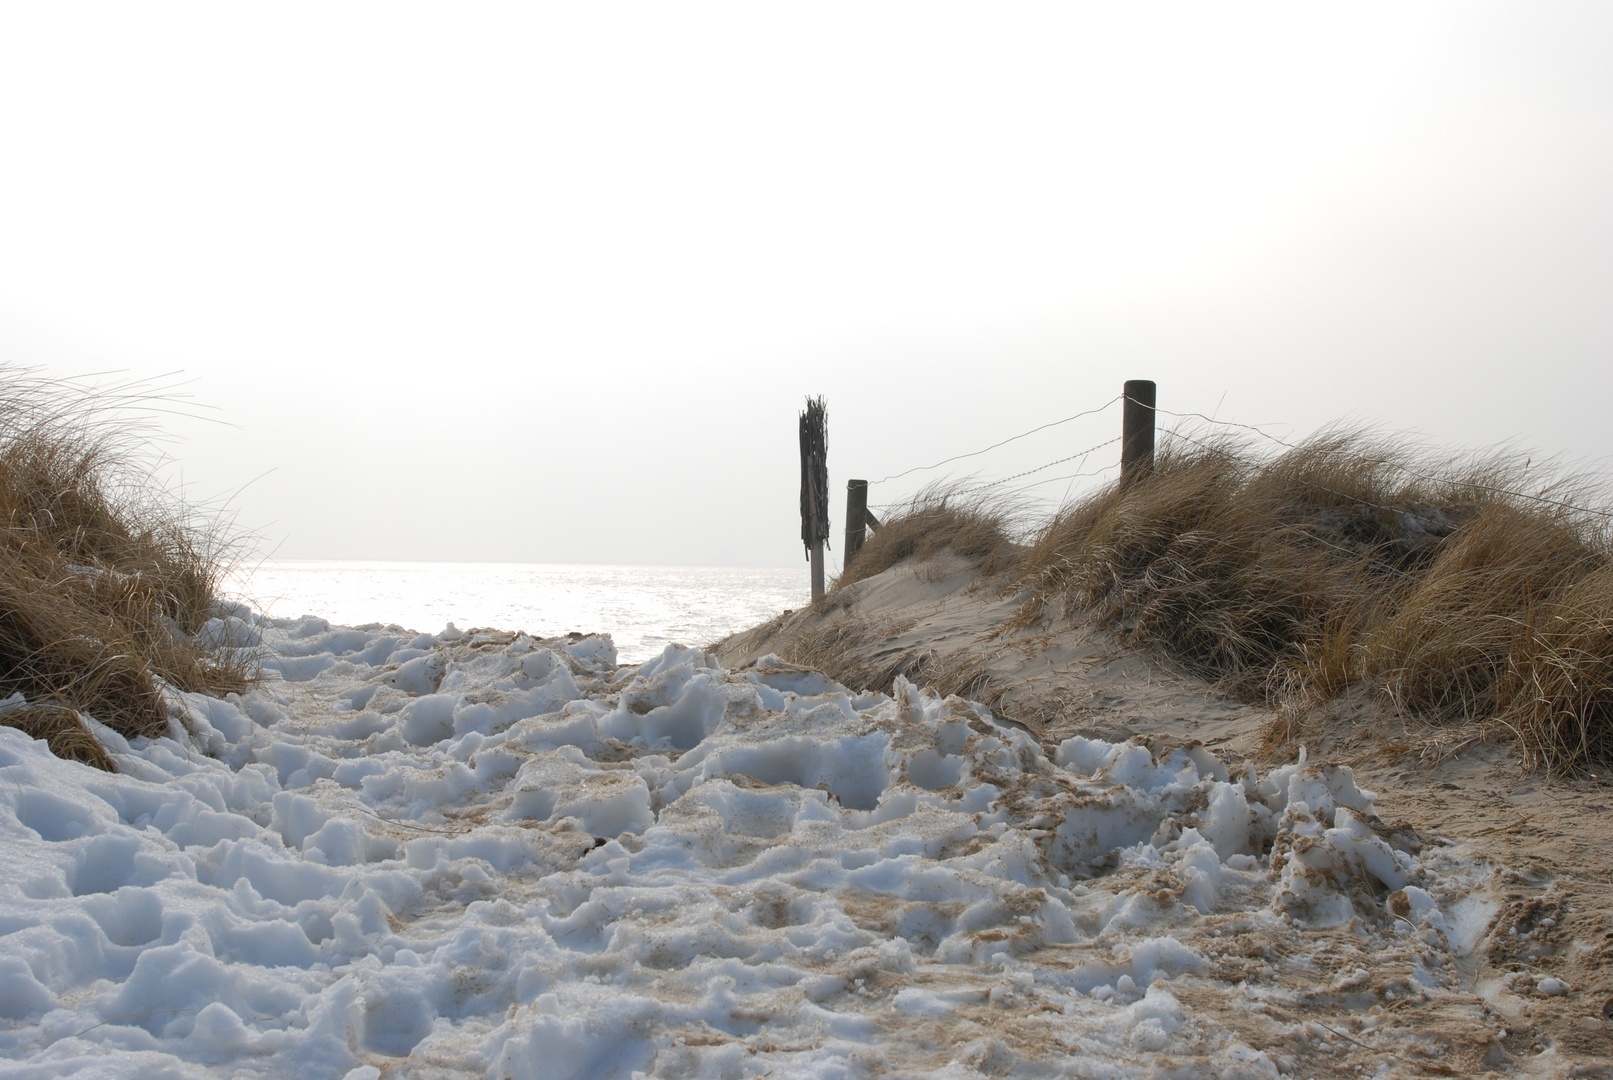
[496,855]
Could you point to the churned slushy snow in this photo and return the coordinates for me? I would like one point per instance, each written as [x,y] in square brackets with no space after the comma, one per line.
[484,854]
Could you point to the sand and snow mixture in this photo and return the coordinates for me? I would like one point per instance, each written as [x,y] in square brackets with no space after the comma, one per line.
[487,855]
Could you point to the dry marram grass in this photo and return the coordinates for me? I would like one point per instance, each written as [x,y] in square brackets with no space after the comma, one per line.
[975,526]
[104,577]
[1464,590]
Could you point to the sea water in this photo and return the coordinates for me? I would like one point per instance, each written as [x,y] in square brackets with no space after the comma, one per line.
[643,608]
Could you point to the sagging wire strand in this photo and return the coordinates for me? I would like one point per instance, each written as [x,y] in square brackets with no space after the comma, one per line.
[1005,442]
[973,488]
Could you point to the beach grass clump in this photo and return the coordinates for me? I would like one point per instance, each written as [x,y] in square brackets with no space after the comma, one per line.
[975,525]
[1236,565]
[105,576]
[1465,590]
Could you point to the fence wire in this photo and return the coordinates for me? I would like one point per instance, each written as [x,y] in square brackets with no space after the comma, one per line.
[993,446]
[1175,432]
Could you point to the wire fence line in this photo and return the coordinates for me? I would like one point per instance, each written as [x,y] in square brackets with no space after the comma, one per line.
[1176,432]
[1005,442]
[1060,461]
[973,489]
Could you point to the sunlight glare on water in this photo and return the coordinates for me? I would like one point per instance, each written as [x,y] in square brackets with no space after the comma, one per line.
[643,608]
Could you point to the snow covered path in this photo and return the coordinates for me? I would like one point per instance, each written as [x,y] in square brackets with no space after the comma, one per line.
[488,855]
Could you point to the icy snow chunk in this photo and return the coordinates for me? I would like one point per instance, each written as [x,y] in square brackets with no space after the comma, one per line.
[111,860]
[695,704]
[1227,821]
[565,784]
[554,689]
[933,771]
[791,678]
[915,1002]
[552,1047]
[218,1032]
[429,719]
[127,916]
[55,818]
[418,676]
[299,668]
[229,632]
[382,650]
[596,651]
[21,995]
[1200,871]
[396,1020]
[1322,789]
[223,716]
[671,659]
[1152,1020]
[851,769]
[343,842]
[1101,823]
[1085,756]
[295,817]
[1365,852]
[270,875]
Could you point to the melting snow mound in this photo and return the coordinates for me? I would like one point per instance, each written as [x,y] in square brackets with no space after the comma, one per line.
[488,855]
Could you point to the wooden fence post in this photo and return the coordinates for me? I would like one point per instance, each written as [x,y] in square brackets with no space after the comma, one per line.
[815,488]
[856,520]
[1137,430]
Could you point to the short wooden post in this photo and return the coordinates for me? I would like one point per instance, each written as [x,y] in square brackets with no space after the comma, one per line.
[856,519]
[1137,430]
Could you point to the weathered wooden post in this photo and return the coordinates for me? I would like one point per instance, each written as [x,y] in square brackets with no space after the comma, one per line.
[815,488]
[856,520]
[1137,430]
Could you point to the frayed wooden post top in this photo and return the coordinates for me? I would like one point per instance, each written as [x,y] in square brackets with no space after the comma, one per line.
[1137,430]
[815,488]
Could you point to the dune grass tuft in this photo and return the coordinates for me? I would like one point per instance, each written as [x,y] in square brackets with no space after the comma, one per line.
[104,575]
[938,519]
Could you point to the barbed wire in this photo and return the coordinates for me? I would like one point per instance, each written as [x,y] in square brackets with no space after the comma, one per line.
[972,489]
[1065,476]
[1060,461]
[993,446]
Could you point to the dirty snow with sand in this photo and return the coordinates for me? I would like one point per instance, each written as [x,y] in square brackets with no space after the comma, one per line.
[489,854]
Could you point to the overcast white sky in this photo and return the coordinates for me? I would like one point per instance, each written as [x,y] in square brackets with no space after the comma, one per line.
[549,282]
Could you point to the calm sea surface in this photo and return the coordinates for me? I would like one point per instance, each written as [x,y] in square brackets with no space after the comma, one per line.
[642,607]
